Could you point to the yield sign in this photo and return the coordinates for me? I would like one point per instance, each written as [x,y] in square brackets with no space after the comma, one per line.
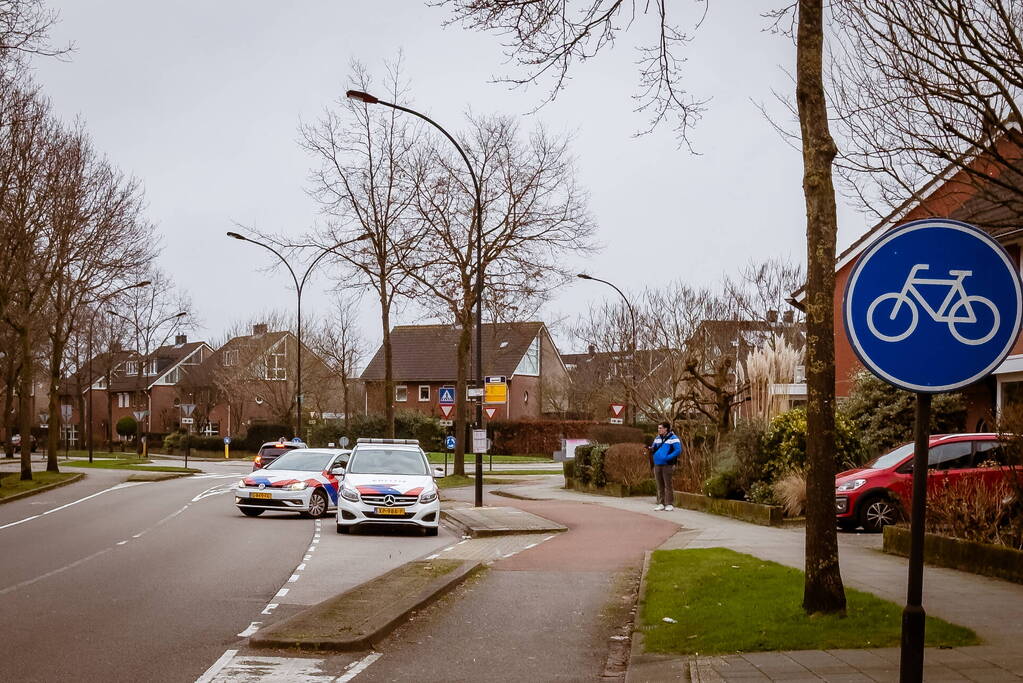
[445,410]
[490,411]
[617,408]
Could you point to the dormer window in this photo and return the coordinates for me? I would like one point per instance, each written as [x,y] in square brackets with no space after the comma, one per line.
[229,358]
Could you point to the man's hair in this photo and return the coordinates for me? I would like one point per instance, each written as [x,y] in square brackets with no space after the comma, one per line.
[666,425]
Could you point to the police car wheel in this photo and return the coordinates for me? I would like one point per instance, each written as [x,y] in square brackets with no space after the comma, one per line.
[318,504]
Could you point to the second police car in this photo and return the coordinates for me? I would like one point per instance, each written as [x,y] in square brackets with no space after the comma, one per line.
[303,480]
[388,481]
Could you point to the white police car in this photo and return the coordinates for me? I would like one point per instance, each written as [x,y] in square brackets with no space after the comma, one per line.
[388,481]
[303,480]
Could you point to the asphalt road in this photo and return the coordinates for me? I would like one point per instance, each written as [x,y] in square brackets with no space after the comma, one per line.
[109,581]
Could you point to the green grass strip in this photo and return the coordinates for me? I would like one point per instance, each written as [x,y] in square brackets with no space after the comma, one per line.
[454,481]
[11,484]
[438,459]
[725,602]
[126,464]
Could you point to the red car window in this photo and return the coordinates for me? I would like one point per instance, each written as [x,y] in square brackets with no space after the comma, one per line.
[951,456]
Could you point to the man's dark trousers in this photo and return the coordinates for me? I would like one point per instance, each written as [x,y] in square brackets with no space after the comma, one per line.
[662,475]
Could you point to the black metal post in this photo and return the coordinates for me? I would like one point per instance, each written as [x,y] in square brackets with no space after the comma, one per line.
[92,380]
[631,390]
[911,665]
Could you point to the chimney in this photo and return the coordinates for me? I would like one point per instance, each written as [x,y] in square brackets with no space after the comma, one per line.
[786,317]
[115,345]
[258,329]
[180,339]
[592,349]
[772,316]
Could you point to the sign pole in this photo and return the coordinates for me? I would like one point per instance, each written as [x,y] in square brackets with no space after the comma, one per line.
[911,666]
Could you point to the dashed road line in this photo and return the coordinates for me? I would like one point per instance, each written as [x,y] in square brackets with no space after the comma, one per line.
[293,578]
[74,502]
[281,593]
[269,608]
[358,667]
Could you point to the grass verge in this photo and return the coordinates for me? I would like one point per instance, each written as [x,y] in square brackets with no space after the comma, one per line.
[126,464]
[725,602]
[456,480]
[11,484]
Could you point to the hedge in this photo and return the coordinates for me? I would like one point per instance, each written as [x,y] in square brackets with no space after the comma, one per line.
[515,437]
[614,434]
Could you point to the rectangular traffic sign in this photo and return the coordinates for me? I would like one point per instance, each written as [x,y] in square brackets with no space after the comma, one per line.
[617,421]
[446,396]
[187,420]
[447,423]
[479,441]
[474,392]
[496,391]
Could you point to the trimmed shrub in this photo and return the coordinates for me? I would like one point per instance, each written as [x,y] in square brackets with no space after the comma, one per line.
[614,434]
[542,437]
[785,442]
[597,474]
[627,463]
[746,442]
[583,470]
[762,493]
[127,426]
[568,467]
[723,485]
[258,434]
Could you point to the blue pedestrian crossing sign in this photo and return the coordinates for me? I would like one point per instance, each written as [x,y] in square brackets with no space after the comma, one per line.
[449,443]
[446,396]
[933,305]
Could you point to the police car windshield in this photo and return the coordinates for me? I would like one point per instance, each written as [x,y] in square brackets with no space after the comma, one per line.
[305,461]
[387,461]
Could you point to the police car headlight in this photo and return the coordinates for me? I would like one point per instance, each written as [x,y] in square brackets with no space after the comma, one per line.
[349,494]
[241,483]
[297,486]
[852,485]
[428,496]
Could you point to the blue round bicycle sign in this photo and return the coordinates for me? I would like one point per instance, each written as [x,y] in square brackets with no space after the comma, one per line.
[933,305]
[449,442]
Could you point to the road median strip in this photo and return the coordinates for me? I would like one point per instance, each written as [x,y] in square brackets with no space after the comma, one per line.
[66,478]
[363,616]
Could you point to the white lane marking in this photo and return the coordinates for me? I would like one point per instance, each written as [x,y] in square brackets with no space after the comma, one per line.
[121,542]
[74,502]
[549,537]
[358,667]
[300,567]
[432,557]
[307,558]
[281,593]
[312,548]
[214,491]
[269,608]
[217,666]
[315,541]
[461,542]
[531,545]
[138,534]
[293,578]
[448,548]
[504,557]
[47,575]
[252,628]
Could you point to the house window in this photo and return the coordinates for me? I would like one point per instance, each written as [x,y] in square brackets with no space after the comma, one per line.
[131,367]
[123,400]
[424,392]
[230,358]
[151,367]
[401,393]
[530,363]
[211,429]
[276,364]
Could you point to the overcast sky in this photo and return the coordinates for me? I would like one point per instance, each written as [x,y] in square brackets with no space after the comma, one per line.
[201,101]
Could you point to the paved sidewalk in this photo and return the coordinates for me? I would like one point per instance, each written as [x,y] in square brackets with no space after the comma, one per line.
[992,608]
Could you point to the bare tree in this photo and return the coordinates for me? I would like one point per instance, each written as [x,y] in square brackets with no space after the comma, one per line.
[25,30]
[533,212]
[545,36]
[338,342]
[929,91]
[363,187]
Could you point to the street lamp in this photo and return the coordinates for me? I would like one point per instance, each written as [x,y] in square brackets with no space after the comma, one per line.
[632,365]
[92,380]
[138,332]
[299,285]
[370,99]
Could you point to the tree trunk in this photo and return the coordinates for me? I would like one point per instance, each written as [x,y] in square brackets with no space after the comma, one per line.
[823,590]
[11,376]
[109,432]
[53,393]
[25,403]
[461,402]
[385,320]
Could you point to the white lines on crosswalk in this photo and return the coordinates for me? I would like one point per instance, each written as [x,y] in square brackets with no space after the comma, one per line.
[269,608]
[281,593]
[251,629]
[358,667]
[293,578]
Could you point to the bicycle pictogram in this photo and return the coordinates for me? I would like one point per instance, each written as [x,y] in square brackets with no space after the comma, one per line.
[957,308]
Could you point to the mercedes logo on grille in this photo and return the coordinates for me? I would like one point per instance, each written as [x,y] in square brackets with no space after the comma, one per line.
[388,500]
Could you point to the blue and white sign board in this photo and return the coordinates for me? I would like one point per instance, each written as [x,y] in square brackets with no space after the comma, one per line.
[933,305]
[227,440]
[446,396]
[296,440]
[449,443]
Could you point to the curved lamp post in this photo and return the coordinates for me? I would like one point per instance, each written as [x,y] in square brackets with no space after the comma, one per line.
[92,328]
[632,364]
[299,286]
[370,99]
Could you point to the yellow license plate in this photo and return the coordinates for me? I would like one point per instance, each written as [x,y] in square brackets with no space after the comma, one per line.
[262,495]
[390,511]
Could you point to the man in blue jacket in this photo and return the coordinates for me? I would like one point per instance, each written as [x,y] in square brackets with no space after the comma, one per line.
[664,453]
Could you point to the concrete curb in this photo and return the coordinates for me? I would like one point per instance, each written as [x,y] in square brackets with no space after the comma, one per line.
[77,476]
[376,628]
[157,476]
[516,496]
[645,667]
[467,529]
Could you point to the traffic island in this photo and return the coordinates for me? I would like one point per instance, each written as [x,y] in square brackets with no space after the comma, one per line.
[498,521]
[157,476]
[363,616]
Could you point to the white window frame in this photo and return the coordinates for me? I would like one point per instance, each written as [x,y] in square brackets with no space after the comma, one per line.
[131,368]
[278,370]
[123,399]
[532,354]
[230,358]
[400,393]
[421,387]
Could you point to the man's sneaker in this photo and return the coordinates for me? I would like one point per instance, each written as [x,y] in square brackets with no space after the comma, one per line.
[659,507]
[670,507]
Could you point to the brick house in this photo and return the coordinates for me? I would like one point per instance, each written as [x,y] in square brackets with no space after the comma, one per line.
[424,360]
[951,194]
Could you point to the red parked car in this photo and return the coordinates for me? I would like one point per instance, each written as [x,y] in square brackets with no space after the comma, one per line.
[874,496]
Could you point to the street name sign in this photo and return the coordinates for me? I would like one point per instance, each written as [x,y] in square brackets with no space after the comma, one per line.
[474,392]
[446,396]
[933,305]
